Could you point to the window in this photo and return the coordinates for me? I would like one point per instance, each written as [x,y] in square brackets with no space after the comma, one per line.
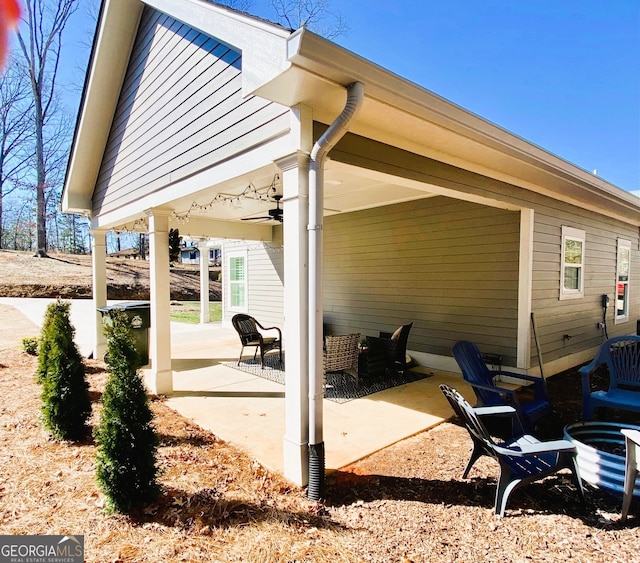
[622,280]
[238,281]
[572,275]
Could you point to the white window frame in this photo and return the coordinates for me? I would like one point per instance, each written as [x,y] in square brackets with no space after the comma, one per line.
[236,308]
[623,246]
[578,235]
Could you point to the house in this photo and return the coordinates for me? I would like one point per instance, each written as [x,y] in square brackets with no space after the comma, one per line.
[397,205]
[190,254]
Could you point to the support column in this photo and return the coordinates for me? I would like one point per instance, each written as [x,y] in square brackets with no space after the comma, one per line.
[161,381]
[204,282]
[99,281]
[525,285]
[295,182]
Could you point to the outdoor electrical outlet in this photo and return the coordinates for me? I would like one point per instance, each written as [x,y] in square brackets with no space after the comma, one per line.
[600,325]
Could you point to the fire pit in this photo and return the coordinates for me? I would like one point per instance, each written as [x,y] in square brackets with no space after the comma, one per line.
[601,453]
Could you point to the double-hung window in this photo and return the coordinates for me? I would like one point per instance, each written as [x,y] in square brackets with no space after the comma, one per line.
[572,261]
[622,280]
[237,281]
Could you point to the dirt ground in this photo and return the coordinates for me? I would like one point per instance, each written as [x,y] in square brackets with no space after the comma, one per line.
[405,503]
[69,276]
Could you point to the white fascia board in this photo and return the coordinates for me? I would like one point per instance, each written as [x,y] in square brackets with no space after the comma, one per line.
[470,141]
[263,45]
[112,48]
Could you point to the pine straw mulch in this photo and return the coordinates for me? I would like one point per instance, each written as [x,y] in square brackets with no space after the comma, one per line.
[405,503]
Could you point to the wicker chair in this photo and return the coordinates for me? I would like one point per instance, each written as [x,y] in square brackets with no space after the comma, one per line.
[341,354]
[247,329]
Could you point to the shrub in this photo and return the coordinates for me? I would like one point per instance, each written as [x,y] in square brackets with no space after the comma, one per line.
[30,345]
[65,399]
[127,442]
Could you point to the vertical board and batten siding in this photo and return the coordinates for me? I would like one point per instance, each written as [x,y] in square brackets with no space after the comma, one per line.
[555,318]
[180,111]
[265,281]
[448,265]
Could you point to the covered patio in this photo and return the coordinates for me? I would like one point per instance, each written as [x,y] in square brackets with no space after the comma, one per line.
[249,411]
[397,206]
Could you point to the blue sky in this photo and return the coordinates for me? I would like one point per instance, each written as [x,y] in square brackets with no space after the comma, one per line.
[563,74]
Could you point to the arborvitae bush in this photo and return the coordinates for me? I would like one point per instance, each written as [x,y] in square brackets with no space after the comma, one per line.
[66,406]
[127,442]
[44,344]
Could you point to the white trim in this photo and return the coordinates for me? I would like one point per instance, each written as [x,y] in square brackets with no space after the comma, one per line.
[623,244]
[578,235]
[525,287]
[244,254]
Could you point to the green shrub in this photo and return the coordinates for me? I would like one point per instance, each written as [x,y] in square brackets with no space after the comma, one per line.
[30,345]
[45,343]
[127,442]
[65,406]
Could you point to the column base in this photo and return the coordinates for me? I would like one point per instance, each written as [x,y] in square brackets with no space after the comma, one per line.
[159,382]
[99,350]
[296,461]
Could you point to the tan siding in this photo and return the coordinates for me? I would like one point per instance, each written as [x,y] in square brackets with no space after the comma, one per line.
[449,266]
[578,318]
[180,111]
[265,273]
[554,318]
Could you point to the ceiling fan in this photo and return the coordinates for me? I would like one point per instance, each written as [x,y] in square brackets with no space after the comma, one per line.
[274,214]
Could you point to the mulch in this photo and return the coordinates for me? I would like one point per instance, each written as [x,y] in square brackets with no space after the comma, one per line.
[406,503]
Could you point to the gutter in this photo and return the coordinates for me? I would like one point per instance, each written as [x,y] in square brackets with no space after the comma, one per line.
[355,96]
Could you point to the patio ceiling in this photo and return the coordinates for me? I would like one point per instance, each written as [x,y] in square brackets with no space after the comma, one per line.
[347,189]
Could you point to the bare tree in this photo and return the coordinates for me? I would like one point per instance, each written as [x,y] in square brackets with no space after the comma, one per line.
[40,42]
[18,228]
[315,15]
[15,132]
[240,5]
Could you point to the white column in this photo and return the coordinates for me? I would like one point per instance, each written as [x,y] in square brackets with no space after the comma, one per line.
[161,380]
[204,282]
[295,182]
[99,277]
[525,288]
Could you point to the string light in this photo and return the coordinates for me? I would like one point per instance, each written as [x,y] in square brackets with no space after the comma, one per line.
[250,192]
[139,226]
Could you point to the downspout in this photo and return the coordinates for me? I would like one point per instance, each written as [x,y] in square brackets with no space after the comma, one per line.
[355,96]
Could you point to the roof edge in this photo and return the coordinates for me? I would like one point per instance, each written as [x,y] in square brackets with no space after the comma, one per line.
[336,64]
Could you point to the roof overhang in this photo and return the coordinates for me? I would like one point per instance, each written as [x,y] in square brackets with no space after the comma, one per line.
[404,115]
[302,68]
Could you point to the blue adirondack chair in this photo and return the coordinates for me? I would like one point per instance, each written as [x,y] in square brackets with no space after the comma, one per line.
[522,458]
[482,379]
[621,355]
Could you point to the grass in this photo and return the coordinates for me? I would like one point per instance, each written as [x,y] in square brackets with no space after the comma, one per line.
[189,311]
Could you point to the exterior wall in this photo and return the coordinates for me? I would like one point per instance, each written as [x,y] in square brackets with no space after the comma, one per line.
[190,256]
[554,318]
[449,266]
[570,326]
[265,281]
[180,111]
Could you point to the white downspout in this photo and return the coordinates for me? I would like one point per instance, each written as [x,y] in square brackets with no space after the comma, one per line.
[355,96]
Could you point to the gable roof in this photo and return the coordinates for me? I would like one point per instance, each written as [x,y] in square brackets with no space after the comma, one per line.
[300,67]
